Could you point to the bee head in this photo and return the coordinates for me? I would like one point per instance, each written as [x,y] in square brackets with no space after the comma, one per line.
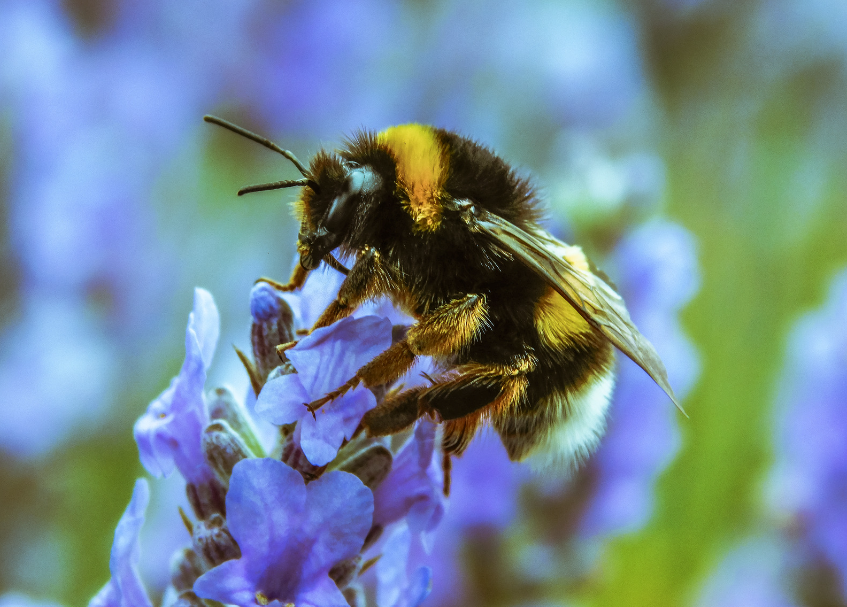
[328,205]
[333,189]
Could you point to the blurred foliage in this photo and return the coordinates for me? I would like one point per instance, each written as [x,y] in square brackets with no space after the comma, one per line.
[732,178]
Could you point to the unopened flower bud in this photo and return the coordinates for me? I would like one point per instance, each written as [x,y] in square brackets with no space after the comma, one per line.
[223,448]
[188,599]
[273,325]
[206,498]
[222,404]
[371,465]
[186,567]
[213,542]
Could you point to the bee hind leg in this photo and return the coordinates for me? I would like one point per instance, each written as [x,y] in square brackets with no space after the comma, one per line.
[459,402]
[365,280]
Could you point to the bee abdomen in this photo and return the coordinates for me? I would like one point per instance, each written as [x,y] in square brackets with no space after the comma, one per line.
[563,427]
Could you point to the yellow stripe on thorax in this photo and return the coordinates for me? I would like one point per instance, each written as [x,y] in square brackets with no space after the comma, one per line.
[557,322]
[421,170]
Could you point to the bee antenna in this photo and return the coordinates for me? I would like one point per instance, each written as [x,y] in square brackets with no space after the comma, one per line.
[310,182]
[276,185]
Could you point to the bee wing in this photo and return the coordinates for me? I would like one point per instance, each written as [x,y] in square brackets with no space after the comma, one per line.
[589,294]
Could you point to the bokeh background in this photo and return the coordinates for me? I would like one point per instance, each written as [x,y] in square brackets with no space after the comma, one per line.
[697,149]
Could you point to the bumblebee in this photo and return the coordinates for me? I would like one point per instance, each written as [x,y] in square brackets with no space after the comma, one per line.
[522,327]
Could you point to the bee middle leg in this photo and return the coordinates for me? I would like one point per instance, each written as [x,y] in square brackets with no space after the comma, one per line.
[367,279]
[296,282]
[443,331]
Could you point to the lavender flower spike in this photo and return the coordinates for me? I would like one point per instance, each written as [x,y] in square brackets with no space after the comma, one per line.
[125,588]
[169,434]
[290,534]
[324,361]
[808,485]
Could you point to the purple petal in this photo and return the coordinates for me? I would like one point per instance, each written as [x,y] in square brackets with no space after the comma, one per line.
[414,485]
[265,510]
[658,274]
[264,504]
[809,482]
[282,400]
[391,568]
[323,434]
[445,560]
[15,599]
[339,515]
[395,587]
[125,588]
[420,587]
[330,356]
[152,433]
[324,593]
[169,433]
[205,322]
[232,582]
[486,485]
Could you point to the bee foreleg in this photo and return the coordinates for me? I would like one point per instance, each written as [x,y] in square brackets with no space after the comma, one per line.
[367,279]
[297,280]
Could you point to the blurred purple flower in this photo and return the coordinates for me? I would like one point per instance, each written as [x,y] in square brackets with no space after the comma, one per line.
[45,404]
[566,63]
[658,274]
[395,587]
[290,534]
[486,487]
[414,488]
[325,360]
[125,588]
[169,433]
[484,495]
[15,599]
[809,481]
[752,575]
[330,66]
